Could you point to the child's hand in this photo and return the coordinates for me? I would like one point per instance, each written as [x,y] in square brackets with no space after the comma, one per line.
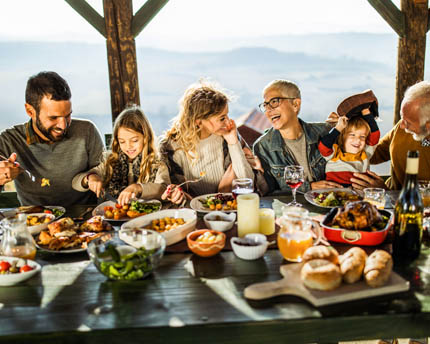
[231,133]
[129,193]
[95,184]
[341,123]
[174,194]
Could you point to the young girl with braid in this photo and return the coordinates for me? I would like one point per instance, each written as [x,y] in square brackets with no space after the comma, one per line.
[133,168]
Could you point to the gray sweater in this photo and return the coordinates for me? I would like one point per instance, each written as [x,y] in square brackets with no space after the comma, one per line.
[59,162]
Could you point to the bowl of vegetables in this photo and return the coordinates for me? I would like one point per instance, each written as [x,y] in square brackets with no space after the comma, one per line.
[14,270]
[131,260]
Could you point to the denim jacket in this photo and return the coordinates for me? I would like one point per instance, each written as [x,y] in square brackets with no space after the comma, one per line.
[274,155]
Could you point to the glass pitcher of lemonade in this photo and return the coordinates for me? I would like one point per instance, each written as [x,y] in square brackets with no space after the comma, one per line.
[17,240]
[296,235]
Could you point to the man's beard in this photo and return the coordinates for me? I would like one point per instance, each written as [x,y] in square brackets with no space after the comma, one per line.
[418,137]
[47,131]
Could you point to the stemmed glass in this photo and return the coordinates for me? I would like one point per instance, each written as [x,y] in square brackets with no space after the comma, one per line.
[294,177]
[242,186]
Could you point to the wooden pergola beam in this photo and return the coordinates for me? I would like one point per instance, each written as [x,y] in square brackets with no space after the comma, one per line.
[122,62]
[392,15]
[89,14]
[145,14]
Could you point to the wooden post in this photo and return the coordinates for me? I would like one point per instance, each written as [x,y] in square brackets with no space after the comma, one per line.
[411,50]
[121,48]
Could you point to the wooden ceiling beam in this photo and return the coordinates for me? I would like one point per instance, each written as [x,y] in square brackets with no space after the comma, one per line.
[145,14]
[89,14]
[392,15]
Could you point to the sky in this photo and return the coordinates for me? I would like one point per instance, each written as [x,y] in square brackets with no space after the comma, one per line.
[182,24]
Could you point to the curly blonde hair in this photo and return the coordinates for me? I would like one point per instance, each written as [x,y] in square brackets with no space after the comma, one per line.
[199,102]
[133,118]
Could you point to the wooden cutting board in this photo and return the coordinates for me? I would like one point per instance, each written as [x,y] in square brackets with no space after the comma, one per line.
[291,284]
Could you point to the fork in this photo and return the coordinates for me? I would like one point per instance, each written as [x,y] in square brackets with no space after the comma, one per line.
[32,177]
[190,181]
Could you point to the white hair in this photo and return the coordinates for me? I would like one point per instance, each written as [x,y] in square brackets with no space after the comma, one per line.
[420,90]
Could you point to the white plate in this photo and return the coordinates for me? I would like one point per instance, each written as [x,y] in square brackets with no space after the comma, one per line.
[172,236]
[311,194]
[198,206]
[38,228]
[99,210]
[10,212]
[12,279]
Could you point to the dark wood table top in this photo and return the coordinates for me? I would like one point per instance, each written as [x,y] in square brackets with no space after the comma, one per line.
[189,299]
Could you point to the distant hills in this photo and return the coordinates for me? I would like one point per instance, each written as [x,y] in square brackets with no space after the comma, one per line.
[327,67]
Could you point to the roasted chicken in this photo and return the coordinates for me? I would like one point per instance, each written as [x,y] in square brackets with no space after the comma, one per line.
[357,215]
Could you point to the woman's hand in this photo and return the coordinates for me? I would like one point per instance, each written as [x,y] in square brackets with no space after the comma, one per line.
[324,184]
[252,159]
[95,184]
[341,123]
[174,194]
[231,132]
[367,180]
[227,179]
[129,193]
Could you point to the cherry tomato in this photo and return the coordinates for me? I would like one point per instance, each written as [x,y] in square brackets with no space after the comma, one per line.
[47,211]
[25,268]
[4,266]
[118,206]
[108,208]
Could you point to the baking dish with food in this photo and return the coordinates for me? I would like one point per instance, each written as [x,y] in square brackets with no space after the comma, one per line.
[371,236]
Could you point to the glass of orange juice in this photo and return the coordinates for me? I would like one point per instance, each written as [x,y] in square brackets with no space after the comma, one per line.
[296,235]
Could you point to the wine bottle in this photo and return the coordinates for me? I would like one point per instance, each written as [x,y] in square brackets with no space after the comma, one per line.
[408,215]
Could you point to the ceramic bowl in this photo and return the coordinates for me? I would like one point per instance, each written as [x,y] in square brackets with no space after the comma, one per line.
[36,229]
[121,260]
[219,220]
[204,249]
[173,235]
[250,247]
[12,279]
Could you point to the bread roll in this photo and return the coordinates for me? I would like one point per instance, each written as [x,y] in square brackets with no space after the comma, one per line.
[321,252]
[352,264]
[378,268]
[321,274]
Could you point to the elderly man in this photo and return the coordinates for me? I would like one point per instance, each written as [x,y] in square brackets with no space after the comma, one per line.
[412,132]
[290,141]
[50,145]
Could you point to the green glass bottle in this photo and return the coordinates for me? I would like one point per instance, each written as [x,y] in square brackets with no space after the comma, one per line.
[408,215]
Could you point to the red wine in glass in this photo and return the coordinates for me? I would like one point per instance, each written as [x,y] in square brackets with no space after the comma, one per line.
[294,177]
[294,184]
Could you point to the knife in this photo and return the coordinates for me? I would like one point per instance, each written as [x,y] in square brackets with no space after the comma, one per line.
[107,196]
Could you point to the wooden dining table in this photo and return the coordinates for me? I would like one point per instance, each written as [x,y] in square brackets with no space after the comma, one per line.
[189,299]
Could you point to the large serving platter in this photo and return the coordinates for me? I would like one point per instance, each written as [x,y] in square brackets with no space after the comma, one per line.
[172,236]
[312,194]
[108,230]
[197,205]
[99,210]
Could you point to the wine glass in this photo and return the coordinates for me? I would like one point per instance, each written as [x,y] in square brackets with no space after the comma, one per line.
[242,186]
[294,177]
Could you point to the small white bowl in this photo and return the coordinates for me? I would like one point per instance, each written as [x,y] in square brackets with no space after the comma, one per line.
[38,228]
[12,279]
[219,221]
[250,252]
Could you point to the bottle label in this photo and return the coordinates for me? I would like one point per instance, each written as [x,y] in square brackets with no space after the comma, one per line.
[412,165]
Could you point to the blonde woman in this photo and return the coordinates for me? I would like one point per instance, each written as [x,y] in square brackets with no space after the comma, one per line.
[132,168]
[203,140]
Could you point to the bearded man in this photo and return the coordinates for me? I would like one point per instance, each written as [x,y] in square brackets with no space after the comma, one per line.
[51,145]
[412,132]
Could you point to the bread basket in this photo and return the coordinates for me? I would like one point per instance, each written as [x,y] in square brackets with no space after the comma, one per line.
[356,237]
